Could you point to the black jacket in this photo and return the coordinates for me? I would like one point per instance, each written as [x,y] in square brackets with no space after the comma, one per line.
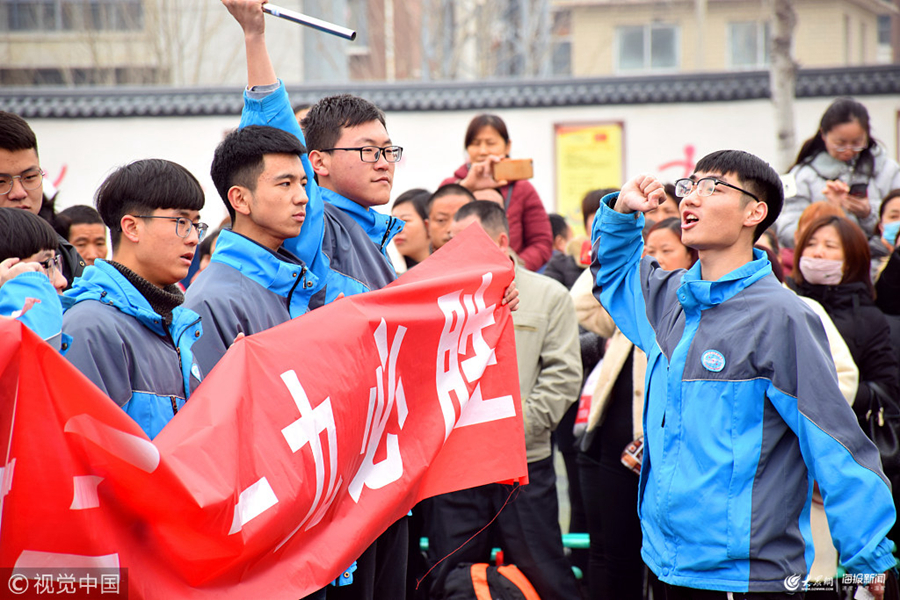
[867,334]
[887,288]
[562,267]
[72,263]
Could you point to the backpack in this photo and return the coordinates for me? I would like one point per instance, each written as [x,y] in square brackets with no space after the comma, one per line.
[484,582]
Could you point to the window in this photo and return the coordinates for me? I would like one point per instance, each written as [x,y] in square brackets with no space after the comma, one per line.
[647,47]
[748,45]
[71,15]
[358,20]
[884,29]
[561,44]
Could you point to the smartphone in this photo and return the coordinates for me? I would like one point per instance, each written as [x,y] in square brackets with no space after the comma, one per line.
[860,190]
[513,169]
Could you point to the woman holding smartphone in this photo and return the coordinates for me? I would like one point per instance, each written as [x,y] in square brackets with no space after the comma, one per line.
[843,165]
[487,143]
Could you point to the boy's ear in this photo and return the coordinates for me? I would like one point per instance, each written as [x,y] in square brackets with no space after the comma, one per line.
[503,241]
[239,198]
[130,228]
[321,162]
[756,214]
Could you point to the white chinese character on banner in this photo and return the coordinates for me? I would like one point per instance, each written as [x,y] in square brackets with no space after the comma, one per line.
[465,318]
[307,430]
[383,398]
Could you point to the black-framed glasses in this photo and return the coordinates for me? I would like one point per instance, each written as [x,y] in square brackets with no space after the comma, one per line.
[371,154]
[183,225]
[705,187]
[31,180]
[51,265]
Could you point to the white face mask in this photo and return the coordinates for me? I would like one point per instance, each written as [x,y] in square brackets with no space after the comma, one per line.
[821,271]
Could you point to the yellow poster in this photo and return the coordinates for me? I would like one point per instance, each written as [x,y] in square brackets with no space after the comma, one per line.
[588,157]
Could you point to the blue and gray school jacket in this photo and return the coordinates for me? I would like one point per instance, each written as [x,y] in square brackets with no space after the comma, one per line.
[742,415]
[338,235]
[125,348]
[29,297]
[247,289]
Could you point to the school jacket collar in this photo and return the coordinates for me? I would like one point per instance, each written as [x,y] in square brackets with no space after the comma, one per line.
[380,228]
[104,283]
[280,272]
[697,294]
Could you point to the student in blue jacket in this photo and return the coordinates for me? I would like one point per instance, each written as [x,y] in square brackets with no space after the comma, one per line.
[742,410]
[130,334]
[252,283]
[31,276]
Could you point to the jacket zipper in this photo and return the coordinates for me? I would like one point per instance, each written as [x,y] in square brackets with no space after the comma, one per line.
[387,231]
[294,287]
[178,353]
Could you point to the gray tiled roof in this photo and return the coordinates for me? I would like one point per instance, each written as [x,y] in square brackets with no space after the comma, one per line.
[44,102]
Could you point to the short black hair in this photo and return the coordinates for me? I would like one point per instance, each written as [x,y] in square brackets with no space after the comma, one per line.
[418,197]
[490,214]
[754,174]
[449,189]
[590,204]
[239,158]
[23,234]
[558,225]
[205,248]
[80,214]
[323,123]
[15,133]
[143,186]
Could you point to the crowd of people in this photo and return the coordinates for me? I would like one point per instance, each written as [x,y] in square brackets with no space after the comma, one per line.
[713,362]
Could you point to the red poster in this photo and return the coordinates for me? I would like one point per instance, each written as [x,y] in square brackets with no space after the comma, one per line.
[294,454]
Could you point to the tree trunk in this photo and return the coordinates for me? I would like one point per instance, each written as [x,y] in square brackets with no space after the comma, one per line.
[782,80]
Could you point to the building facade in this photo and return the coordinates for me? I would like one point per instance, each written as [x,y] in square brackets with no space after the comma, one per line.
[625,37]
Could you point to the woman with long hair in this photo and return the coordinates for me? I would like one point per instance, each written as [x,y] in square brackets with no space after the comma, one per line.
[831,266]
[487,142]
[841,164]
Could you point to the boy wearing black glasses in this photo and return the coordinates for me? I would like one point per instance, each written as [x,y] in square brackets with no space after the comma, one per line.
[22,180]
[130,334]
[350,166]
[743,413]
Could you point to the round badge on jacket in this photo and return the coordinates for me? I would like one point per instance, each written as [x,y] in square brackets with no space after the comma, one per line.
[713,361]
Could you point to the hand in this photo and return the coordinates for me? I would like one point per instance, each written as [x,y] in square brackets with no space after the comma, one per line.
[11,267]
[876,588]
[481,175]
[249,14]
[511,297]
[641,194]
[857,206]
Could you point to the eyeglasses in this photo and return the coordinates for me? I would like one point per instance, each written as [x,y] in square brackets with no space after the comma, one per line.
[30,181]
[854,149]
[371,154]
[51,266]
[705,187]
[183,225]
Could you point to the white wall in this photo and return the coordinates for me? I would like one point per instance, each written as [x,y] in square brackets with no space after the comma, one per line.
[432,141]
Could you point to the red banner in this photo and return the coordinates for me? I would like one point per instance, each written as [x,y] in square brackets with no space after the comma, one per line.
[303,444]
